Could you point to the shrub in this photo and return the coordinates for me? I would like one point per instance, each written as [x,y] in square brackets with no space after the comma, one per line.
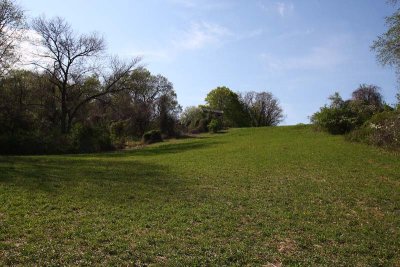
[383,129]
[151,137]
[88,139]
[341,116]
[190,117]
[21,143]
[202,126]
[215,125]
[169,126]
[335,120]
[118,133]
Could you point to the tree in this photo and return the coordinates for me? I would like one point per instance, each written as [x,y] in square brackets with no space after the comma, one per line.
[155,101]
[70,59]
[12,23]
[149,102]
[336,100]
[368,95]
[27,113]
[191,116]
[222,98]
[398,100]
[387,45]
[263,108]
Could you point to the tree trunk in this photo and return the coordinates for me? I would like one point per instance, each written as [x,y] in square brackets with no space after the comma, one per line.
[69,125]
[64,128]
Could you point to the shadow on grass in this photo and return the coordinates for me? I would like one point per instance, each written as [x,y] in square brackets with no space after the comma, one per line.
[115,176]
[84,178]
[158,149]
[175,148]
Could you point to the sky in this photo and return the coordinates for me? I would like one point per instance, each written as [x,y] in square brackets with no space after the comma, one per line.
[300,50]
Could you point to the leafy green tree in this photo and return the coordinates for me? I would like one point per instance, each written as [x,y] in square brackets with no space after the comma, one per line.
[214,126]
[222,98]
[337,117]
[191,116]
[149,102]
[336,100]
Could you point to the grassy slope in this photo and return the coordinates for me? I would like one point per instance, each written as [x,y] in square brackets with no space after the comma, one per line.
[251,196]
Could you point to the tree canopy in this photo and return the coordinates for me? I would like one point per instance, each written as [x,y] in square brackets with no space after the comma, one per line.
[224,99]
[12,24]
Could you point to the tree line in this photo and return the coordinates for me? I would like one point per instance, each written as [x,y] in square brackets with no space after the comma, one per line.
[250,109]
[75,97]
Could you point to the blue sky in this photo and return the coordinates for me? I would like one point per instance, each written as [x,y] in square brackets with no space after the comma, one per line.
[301,50]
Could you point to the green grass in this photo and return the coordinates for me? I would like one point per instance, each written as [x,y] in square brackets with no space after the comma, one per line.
[247,197]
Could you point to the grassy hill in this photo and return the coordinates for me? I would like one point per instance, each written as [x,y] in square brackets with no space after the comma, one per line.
[250,196]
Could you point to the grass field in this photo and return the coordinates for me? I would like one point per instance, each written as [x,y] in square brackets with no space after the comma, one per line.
[266,196]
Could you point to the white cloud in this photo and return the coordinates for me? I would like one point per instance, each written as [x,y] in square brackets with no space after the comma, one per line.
[325,56]
[284,9]
[29,49]
[198,35]
[202,34]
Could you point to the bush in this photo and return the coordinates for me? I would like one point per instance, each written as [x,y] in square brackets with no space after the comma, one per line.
[202,126]
[215,125]
[151,137]
[21,143]
[383,129]
[335,120]
[190,117]
[118,133]
[341,116]
[30,143]
[168,126]
[86,139]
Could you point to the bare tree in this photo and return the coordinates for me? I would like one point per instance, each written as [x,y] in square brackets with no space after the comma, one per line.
[12,23]
[70,60]
[368,94]
[263,108]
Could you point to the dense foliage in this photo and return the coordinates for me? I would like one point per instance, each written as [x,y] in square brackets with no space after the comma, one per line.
[152,136]
[77,98]
[383,129]
[363,118]
[223,99]
[12,26]
[215,125]
[30,114]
